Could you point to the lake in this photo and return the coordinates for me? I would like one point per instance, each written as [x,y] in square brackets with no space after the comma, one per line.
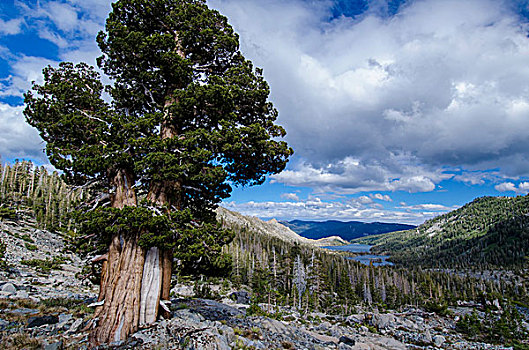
[366,259]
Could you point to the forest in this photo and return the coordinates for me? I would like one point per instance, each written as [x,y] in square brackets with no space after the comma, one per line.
[279,273]
[488,233]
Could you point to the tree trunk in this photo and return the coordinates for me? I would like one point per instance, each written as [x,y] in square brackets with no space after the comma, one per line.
[122,276]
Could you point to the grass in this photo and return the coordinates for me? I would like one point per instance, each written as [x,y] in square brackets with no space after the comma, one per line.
[19,341]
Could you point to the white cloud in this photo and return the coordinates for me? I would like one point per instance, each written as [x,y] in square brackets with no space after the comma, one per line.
[316,209]
[290,196]
[522,188]
[10,27]
[17,138]
[428,207]
[382,197]
[352,176]
[433,82]
[26,69]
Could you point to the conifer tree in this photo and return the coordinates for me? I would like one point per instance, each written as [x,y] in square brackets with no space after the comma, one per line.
[189,118]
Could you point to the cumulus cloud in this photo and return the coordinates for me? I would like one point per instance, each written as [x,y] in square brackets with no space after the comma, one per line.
[431,82]
[290,196]
[17,138]
[382,197]
[522,188]
[352,175]
[25,69]
[316,209]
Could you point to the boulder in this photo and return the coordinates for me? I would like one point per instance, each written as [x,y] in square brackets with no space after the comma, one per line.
[9,288]
[439,340]
[382,321]
[54,346]
[42,320]
[346,340]
[241,297]
[22,294]
[75,326]
[426,337]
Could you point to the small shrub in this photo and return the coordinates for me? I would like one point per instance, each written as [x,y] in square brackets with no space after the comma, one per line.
[27,238]
[3,262]
[31,247]
[45,265]
[8,213]
[255,310]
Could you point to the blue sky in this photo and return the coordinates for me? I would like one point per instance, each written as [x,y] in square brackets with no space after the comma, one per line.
[397,110]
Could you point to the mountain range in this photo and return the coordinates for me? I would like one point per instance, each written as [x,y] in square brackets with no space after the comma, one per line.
[347,230]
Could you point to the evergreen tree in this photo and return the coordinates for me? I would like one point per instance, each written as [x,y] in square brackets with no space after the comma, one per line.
[189,117]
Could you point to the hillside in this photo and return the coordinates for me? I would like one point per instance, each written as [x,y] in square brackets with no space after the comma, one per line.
[488,232]
[272,228]
[348,230]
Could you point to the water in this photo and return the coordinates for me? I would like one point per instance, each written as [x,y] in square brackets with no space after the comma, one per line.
[353,248]
[366,259]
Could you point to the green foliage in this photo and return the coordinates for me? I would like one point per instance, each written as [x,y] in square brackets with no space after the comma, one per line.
[505,328]
[31,247]
[29,190]
[440,307]
[3,262]
[45,265]
[486,233]
[8,213]
[203,290]
[189,118]
[72,305]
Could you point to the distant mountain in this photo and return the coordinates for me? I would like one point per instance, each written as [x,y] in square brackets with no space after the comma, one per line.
[347,230]
[489,232]
[272,228]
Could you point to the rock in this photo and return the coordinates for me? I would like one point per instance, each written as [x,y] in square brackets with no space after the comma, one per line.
[3,323]
[382,321]
[183,290]
[54,346]
[353,319]
[346,340]
[190,317]
[426,337]
[75,326]
[42,320]
[439,340]
[24,311]
[241,297]
[343,346]
[9,288]
[21,294]
[65,318]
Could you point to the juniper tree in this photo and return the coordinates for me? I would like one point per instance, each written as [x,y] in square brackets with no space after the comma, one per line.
[189,118]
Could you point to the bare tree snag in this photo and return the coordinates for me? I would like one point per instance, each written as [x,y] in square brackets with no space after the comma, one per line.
[150,288]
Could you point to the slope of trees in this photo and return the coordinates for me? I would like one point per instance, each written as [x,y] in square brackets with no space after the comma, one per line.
[24,186]
[490,232]
[309,278]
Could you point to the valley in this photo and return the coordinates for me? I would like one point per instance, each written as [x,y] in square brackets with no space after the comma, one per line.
[281,290]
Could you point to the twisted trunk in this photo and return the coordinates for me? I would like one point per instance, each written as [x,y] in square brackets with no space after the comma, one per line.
[122,276]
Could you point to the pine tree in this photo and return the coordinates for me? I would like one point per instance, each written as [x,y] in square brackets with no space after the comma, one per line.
[189,117]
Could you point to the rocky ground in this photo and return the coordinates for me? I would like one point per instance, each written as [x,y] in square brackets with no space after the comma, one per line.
[45,305]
